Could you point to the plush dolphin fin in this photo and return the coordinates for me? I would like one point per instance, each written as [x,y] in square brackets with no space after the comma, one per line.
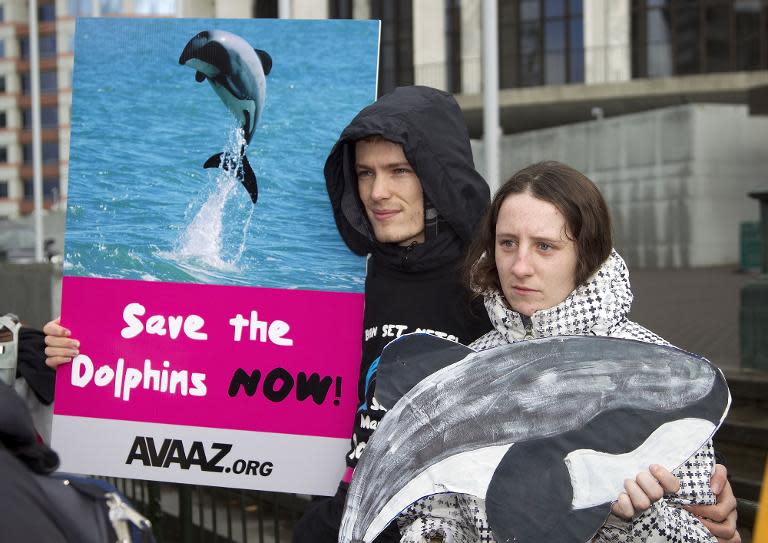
[409,359]
[266,60]
[244,171]
[199,77]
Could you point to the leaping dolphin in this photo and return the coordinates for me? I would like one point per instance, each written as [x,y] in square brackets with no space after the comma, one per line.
[237,72]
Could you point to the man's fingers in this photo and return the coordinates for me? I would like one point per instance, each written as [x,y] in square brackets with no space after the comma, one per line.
[650,486]
[56,361]
[721,511]
[54,328]
[666,479]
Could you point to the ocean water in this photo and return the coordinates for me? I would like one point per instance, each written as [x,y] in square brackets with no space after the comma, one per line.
[140,204]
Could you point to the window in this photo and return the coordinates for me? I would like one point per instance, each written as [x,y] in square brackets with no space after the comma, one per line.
[2,13]
[3,188]
[541,42]
[340,9]
[265,9]
[50,188]
[48,82]
[396,62]
[46,12]
[80,8]
[50,152]
[2,84]
[155,7]
[3,119]
[109,7]
[3,154]
[679,37]
[453,44]
[49,117]
[2,48]
[46,43]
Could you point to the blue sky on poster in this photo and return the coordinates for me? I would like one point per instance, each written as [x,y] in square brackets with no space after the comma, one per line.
[140,204]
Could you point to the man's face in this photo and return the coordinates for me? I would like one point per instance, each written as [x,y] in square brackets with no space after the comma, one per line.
[390,191]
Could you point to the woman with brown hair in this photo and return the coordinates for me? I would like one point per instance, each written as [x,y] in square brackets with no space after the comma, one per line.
[545,266]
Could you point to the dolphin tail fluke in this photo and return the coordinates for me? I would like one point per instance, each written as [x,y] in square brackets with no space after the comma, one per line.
[248,179]
[244,171]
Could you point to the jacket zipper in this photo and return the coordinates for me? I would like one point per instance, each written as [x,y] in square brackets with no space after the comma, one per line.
[528,324]
[404,260]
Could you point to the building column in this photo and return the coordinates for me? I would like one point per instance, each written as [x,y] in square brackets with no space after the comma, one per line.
[471,42]
[607,41]
[429,43]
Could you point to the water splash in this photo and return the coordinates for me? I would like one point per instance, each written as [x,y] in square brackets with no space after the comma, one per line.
[205,240]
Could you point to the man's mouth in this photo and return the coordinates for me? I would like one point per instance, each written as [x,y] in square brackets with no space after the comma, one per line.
[384,214]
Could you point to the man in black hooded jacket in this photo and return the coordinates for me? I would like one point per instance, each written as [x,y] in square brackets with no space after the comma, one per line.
[405,192]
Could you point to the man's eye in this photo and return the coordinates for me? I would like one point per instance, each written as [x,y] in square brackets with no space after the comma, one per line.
[364,173]
[402,171]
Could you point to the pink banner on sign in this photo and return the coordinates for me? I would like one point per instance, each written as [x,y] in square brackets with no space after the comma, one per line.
[242,358]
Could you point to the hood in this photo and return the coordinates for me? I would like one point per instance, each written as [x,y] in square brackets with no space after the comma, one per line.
[430,126]
[594,308]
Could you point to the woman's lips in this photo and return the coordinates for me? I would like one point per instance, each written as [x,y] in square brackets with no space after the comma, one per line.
[523,291]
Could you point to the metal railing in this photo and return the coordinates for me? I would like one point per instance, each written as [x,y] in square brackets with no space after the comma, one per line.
[201,514]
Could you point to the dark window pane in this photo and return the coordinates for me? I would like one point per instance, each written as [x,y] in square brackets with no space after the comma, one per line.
[3,119]
[659,60]
[530,38]
[554,35]
[747,41]
[2,13]
[554,68]
[47,45]
[686,34]
[50,152]
[24,47]
[3,154]
[2,47]
[49,117]
[554,8]
[265,9]
[50,188]
[3,189]
[576,68]
[716,35]
[657,3]
[48,81]
[576,33]
[575,6]
[529,10]
[2,83]
[658,26]
[46,12]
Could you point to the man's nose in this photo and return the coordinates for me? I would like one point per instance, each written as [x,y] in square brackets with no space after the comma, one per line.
[381,189]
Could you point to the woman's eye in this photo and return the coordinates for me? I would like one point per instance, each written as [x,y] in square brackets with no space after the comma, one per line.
[545,246]
[401,171]
[507,243]
[364,173]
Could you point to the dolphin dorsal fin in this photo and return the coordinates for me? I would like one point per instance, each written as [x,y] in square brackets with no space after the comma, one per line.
[266,60]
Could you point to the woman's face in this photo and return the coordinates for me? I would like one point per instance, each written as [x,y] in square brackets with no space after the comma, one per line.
[534,257]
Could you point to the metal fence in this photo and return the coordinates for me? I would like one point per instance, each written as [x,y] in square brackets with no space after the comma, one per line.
[203,514]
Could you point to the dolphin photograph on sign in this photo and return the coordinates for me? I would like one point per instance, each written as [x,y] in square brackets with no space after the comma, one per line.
[219,312]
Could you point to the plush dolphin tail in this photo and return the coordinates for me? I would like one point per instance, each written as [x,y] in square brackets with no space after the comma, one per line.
[244,171]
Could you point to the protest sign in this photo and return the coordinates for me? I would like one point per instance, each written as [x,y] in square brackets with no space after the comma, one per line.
[219,312]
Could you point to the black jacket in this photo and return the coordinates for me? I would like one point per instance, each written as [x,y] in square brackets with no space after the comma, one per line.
[416,288]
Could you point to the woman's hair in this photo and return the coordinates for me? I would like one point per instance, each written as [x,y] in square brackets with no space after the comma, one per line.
[575,197]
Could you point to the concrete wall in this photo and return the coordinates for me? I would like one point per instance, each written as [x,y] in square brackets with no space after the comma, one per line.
[675,178]
[31,291]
